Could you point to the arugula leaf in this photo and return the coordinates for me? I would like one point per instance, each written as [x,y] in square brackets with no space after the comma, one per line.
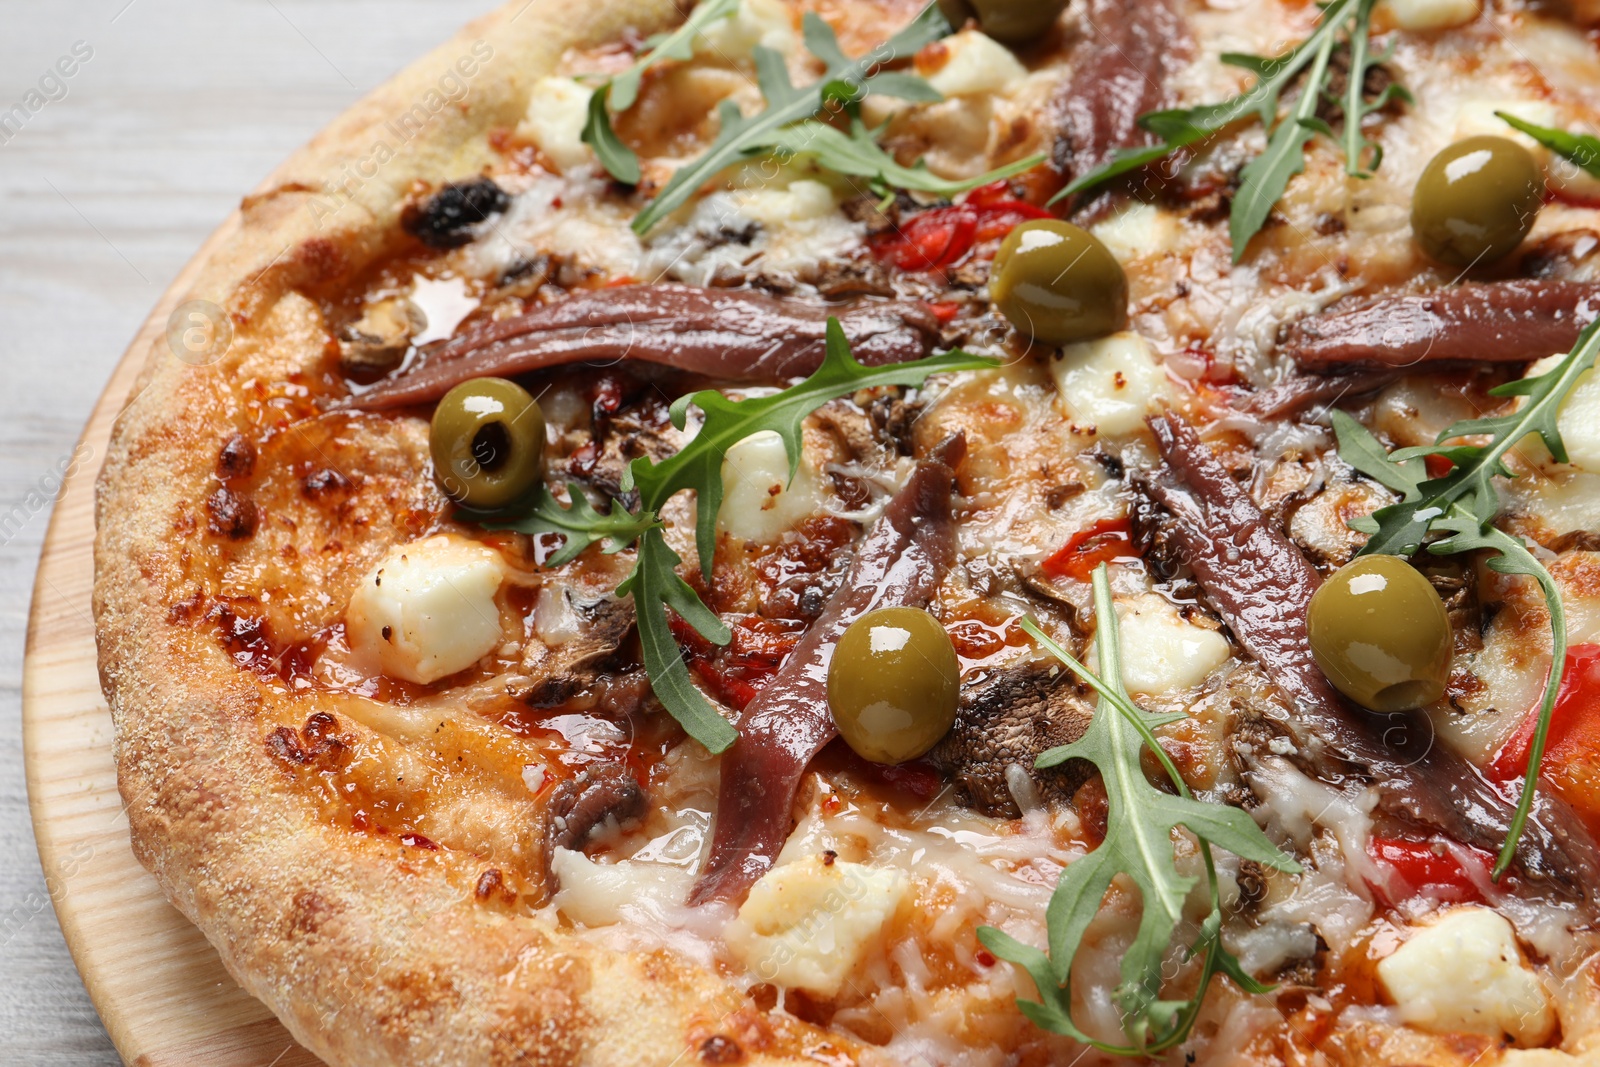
[858,153]
[788,104]
[1463,505]
[727,422]
[1141,821]
[654,583]
[619,93]
[1580,148]
[1264,178]
[580,524]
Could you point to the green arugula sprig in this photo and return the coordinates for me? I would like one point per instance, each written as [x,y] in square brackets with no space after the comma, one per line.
[1581,149]
[654,582]
[1264,179]
[857,153]
[619,93]
[1462,505]
[744,136]
[1140,823]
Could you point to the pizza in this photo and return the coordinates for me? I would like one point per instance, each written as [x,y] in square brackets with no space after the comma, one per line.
[839,532]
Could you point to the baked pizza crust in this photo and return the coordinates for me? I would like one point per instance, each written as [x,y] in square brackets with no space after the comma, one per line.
[371,952]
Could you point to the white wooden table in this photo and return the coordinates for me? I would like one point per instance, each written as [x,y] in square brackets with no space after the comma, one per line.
[110,176]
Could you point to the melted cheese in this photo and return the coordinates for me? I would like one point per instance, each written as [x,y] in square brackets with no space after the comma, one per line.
[977,64]
[755,22]
[1108,386]
[557,110]
[1161,651]
[1428,14]
[428,609]
[1464,973]
[600,894]
[1578,419]
[760,502]
[807,924]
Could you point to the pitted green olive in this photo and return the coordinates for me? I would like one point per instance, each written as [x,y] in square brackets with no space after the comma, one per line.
[487,439]
[1016,22]
[1058,284]
[1381,634]
[893,684]
[1476,201]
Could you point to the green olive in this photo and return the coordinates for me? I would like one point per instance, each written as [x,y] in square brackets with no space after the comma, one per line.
[1015,22]
[487,440]
[1058,284]
[1381,634]
[1476,201]
[893,684]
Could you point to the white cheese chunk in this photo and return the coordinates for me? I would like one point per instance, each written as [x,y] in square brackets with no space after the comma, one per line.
[1139,229]
[1578,420]
[428,609]
[802,201]
[1463,973]
[807,924]
[759,501]
[977,64]
[1109,385]
[557,111]
[754,22]
[1429,14]
[1162,651]
[599,894]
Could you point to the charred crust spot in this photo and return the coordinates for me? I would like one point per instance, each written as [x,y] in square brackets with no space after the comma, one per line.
[323,483]
[719,1049]
[388,633]
[309,913]
[315,744]
[492,887]
[187,609]
[445,218]
[231,515]
[236,459]
[828,857]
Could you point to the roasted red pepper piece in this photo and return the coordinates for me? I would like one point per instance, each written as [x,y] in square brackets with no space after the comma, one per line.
[1103,542]
[941,237]
[1429,868]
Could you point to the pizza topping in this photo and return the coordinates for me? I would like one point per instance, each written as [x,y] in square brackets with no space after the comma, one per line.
[1511,322]
[1058,284]
[1017,22]
[1265,177]
[1262,586]
[1108,386]
[654,583]
[763,495]
[1007,718]
[1463,973]
[1142,821]
[428,610]
[1381,634]
[893,683]
[558,108]
[1121,71]
[974,64]
[487,439]
[448,218]
[1429,14]
[604,795]
[899,563]
[1476,201]
[731,335]
[809,923]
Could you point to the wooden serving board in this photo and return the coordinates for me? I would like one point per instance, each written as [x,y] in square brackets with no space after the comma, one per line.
[160,988]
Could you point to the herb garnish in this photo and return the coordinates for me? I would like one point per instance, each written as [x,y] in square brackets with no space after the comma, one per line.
[1580,148]
[1463,503]
[1140,822]
[790,124]
[619,93]
[654,583]
[1264,179]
